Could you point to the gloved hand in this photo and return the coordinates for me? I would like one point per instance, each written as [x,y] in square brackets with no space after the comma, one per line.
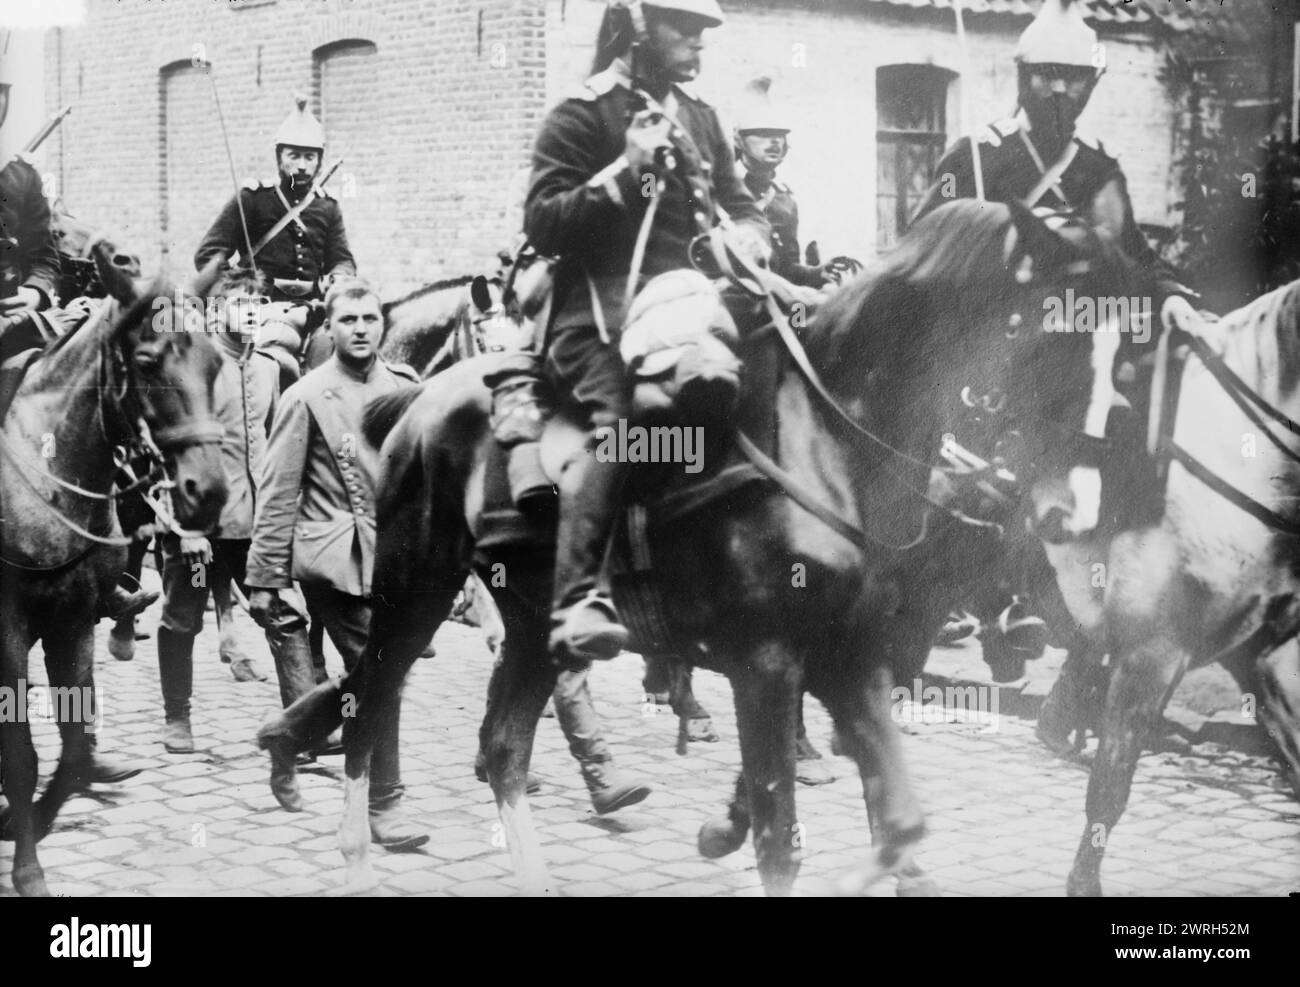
[261,603]
[196,551]
[646,142]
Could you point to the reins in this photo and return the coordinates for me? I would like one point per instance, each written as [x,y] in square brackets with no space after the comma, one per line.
[143,443]
[1251,403]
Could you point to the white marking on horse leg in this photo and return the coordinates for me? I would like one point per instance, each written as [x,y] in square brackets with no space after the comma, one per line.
[354,835]
[525,850]
[1085,481]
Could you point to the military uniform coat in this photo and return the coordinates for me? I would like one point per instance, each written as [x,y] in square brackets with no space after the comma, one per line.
[29,256]
[586,206]
[313,246]
[315,517]
[246,393]
[1010,172]
[782,212]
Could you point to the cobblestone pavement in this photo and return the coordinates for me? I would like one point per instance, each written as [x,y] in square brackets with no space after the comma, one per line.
[1004,815]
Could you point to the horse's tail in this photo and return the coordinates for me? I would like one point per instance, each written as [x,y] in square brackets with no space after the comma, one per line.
[385,411]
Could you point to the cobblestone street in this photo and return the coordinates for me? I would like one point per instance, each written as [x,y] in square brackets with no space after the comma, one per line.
[1004,815]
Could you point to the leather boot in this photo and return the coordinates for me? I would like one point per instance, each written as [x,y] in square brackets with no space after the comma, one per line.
[125,603]
[287,637]
[584,623]
[176,674]
[610,789]
[810,767]
[389,828]
[532,784]
[304,725]
[105,771]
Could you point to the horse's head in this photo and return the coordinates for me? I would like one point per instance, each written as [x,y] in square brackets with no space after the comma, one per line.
[167,371]
[79,245]
[973,322]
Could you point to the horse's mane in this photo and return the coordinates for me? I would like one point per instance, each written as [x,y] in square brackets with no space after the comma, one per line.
[1261,339]
[429,289]
[956,248]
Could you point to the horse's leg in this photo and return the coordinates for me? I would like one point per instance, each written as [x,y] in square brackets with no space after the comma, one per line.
[696,723]
[69,665]
[519,688]
[1279,704]
[1142,680]
[767,688]
[913,882]
[861,707]
[18,765]
[719,837]
[1071,706]
[400,627]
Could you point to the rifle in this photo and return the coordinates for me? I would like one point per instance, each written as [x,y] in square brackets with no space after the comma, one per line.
[51,125]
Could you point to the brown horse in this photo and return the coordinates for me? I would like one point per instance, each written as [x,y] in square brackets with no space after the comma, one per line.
[1216,577]
[808,583]
[114,386]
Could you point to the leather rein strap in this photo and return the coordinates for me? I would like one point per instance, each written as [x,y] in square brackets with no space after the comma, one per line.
[1251,405]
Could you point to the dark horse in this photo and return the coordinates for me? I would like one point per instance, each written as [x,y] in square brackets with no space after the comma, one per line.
[100,393]
[841,602]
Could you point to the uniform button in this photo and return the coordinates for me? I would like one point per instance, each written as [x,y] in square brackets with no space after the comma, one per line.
[700,218]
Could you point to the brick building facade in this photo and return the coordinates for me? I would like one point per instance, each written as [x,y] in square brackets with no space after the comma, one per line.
[433,107]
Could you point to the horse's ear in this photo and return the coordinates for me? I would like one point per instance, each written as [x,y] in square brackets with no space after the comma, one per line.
[479,294]
[201,282]
[116,281]
[1049,249]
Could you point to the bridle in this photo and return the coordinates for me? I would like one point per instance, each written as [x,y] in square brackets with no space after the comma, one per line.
[134,442]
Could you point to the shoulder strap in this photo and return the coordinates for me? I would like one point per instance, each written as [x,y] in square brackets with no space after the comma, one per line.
[1050,176]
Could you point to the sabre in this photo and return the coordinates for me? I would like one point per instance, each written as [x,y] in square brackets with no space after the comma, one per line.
[50,126]
[230,157]
[967,123]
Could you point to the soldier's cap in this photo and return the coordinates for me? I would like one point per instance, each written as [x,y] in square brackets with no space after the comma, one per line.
[755,110]
[706,10]
[301,128]
[1058,36]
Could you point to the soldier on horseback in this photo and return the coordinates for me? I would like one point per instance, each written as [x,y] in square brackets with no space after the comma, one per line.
[307,252]
[1036,156]
[762,143]
[29,289]
[635,127]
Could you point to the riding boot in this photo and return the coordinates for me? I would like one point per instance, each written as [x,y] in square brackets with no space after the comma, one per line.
[105,771]
[286,634]
[610,789]
[584,623]
[304,725]
[176,673]
[122,603]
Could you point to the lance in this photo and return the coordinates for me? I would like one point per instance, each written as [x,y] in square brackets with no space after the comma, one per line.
[230,157]
[967,123]
[51,125]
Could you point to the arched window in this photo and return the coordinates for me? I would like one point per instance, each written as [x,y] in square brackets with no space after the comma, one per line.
[195,175]
[911,134]
[351,105]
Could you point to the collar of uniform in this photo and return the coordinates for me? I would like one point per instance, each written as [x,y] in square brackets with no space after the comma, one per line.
[364,376]
[619,73]
[232,346]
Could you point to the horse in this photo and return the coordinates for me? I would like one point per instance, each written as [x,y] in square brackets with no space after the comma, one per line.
[805,579]
[448,321]
[119,384]
[1215,576]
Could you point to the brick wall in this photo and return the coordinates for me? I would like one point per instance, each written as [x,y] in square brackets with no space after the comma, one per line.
[434,106]
[435,118]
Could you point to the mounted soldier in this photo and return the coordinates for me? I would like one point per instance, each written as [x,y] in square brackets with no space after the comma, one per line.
[301,255]
[635,132]
[29,290]
[1036,157]
[762,143]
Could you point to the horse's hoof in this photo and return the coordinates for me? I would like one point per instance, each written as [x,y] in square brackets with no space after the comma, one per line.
[361,881]
[719,838]
[30,882]
[917,887]
[700,731]
[122,648]
[1054,738]
[1079,886]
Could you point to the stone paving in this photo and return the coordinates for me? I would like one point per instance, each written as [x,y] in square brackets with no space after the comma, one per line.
[1004,815]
